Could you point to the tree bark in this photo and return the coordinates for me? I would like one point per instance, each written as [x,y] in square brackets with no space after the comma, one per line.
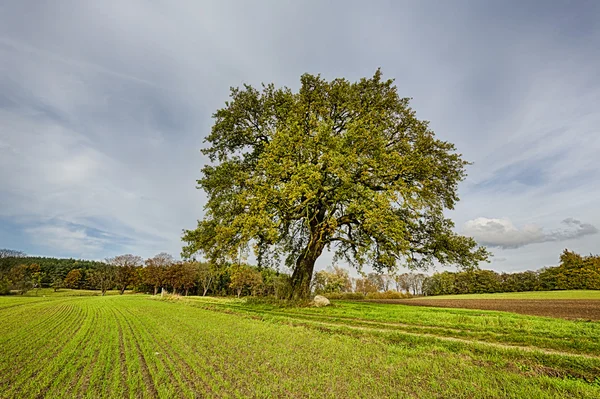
[303,271]
[155,290]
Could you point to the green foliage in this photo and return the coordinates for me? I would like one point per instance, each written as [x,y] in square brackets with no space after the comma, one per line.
[57,283]
[335,279]
[5,284]
[575,272]
[338,165]
[50,268]
[102,277]
[207,273]
[563,294]
[25,277]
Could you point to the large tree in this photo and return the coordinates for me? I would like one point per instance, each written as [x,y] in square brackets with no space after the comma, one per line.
[207,273]
[156,268]
[102,277]
[337,165]
[125,267]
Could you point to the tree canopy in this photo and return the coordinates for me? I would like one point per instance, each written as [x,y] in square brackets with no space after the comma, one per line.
[337,165]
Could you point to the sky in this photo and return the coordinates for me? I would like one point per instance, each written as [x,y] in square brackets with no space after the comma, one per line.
[104,107]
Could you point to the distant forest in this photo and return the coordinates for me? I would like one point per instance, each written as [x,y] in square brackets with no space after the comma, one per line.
[20,273]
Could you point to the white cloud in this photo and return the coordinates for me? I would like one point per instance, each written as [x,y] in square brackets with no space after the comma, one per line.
[502,233]
[67,240]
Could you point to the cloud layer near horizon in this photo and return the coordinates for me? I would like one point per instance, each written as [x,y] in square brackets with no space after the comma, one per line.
[104,106]
[502,233]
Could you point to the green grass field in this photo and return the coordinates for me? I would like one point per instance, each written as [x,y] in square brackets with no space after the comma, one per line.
[138,346]
[49,292]
[572,294]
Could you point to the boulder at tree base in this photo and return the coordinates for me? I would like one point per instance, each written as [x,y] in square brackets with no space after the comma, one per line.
[321,301]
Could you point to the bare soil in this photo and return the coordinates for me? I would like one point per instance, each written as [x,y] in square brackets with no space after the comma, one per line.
[587,309]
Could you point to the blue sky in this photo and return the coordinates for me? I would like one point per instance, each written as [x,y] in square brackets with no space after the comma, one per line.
[104,106]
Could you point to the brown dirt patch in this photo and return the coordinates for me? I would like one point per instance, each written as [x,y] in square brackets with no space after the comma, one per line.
[587,309]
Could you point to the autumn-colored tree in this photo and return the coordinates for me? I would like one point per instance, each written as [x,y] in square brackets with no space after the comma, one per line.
[155,272]
[376,280]
[364,286]
[173,276]
[74,279]
[243,276]
[189,275]
[124,270]
[338,165]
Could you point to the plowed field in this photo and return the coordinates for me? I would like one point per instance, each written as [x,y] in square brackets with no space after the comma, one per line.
[563,308]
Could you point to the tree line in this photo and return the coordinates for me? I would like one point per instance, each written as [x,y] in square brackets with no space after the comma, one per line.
[336,280]
[21,273]
[575,272]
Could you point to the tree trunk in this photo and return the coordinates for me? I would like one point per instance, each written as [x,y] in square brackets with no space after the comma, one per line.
[155,290]
[305,265]
[186,291]
[123,290]
[205,291]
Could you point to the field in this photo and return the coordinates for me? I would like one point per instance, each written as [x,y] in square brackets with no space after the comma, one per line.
[572,294]
[566,304]
[60,345]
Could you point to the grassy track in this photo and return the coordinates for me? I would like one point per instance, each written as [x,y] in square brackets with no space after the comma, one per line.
[571,294]
[137,346]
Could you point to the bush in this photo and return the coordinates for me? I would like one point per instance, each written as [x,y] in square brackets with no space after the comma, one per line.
[387,295]
[345,295]
[169,297]
[4,286]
